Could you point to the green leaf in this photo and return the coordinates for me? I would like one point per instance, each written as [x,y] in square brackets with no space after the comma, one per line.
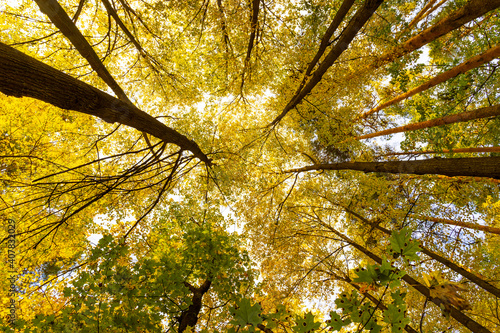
[306,323]
[395,316]
[401,244]
[244,313]
[336,321]
[367,275]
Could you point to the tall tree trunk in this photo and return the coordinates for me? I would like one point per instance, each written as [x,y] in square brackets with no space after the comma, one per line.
[455,313]
[467,166]
[475,226]
[473,62]
[254,22]
[21,75]
[325,41]
[447,151]
[356,23]
[448,263]
[189,317]
[486,112]
[469,12]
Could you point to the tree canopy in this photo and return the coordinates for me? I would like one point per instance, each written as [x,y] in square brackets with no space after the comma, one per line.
[264,165]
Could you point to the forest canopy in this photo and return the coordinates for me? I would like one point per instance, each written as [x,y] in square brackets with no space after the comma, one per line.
[245,166]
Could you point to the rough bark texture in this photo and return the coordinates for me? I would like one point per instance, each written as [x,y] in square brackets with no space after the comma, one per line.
[475,226]
[189,317]
[455,313]
[467,13]
[490,111]
[357,22]
[467,166]
[473,62]
[21,75]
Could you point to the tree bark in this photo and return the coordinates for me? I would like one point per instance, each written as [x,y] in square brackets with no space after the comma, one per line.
[251,41]
[473,62]
[189,317]
[475,226]
[469,12]
[21,75]
[486,112]
[448,263]
[325,41]
[421,14]
[455,313]
[63,22]
[467,166]
[447,151]
[356,23]
[253,29]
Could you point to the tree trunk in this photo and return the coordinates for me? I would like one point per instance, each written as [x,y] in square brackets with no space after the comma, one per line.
[473,62]
[455,313]
[475,226]
[356,23]
[251,41]
[490,111]
[424,12]
[63,22]
[447,151]
[325,41]
[469,12]
[448,263]
[467,166]
[21,75]
[189,317]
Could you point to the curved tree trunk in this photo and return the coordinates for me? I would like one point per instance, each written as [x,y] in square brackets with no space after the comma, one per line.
[21,75]
[467,166]
[490,111]
[473,62]
[63,22]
